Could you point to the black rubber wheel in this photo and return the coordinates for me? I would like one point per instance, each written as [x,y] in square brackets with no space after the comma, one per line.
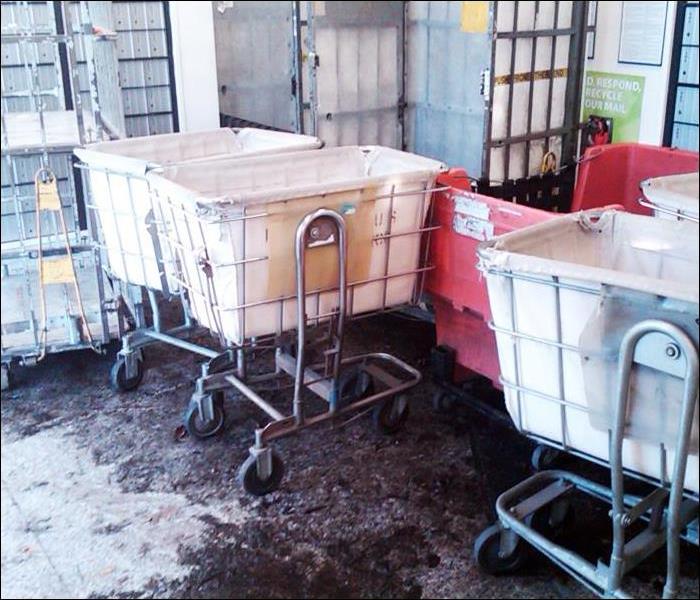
[353,385]
[553,519]
[199,428]
[390,415]
[544,457]
[117,376]
[248,476]
[486,553]
[443,401]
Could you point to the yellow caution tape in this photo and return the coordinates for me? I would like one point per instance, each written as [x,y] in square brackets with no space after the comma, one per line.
[527,76]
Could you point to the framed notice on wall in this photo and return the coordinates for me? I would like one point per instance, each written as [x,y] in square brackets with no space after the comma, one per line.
[642,32]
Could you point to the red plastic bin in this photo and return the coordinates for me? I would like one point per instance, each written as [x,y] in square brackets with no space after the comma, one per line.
[608,176]
[611,174]
[458,293]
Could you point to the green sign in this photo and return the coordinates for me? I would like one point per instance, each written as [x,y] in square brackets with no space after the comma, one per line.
[616,97]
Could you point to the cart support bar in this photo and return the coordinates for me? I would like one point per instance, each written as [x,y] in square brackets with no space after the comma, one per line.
[255,398]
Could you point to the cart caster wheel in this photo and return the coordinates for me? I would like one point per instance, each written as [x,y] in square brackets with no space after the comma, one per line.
[487,553]
[354,385]
[391,414]
[248,476]
[118,379]
[553,519]
[443,401]
[543,457]
[200,429]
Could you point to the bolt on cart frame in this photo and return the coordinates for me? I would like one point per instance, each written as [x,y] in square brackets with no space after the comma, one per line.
[542,501]
[41,125]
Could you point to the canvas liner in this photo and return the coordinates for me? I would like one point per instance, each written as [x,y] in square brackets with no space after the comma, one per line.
[595,256]
[122,198]
[204,203]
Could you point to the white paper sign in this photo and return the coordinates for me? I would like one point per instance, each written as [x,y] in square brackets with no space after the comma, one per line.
[642,31]
[472,227]
[474,208]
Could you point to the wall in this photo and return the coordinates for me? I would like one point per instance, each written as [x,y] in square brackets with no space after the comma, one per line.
[653,113]
[194,59]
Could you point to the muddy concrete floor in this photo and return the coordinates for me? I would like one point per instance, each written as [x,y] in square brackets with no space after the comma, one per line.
[101,498]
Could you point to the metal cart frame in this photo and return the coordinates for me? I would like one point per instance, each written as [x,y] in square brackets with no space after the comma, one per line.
[346,384]
[670,513]
[678,214]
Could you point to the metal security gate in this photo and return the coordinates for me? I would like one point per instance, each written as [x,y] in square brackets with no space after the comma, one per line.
[490,86]
[534,97]
[495,87]
[682,112]
[331,69]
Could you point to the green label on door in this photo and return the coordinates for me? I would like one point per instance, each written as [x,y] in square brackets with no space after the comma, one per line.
[616,97]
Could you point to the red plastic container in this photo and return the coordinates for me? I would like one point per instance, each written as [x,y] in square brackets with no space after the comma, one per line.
[458,291]
[611,174]
[608,176]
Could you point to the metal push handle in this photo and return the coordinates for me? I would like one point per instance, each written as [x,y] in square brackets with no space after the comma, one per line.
[667,211]
[688,350]
[312,229]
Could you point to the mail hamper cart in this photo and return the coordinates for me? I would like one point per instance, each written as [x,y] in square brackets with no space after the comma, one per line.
[128,227]
[608,176]
[596,321]
[611,174]
[267,248]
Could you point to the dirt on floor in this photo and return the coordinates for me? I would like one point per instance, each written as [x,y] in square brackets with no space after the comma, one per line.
[359,514]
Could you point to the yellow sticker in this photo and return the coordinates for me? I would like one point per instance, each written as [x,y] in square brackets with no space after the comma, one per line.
[475,17]
[47,193]
[58,270]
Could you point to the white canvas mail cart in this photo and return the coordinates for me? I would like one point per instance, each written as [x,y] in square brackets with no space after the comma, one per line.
[596,319]
[673,197]
[128,228]
[265,247]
